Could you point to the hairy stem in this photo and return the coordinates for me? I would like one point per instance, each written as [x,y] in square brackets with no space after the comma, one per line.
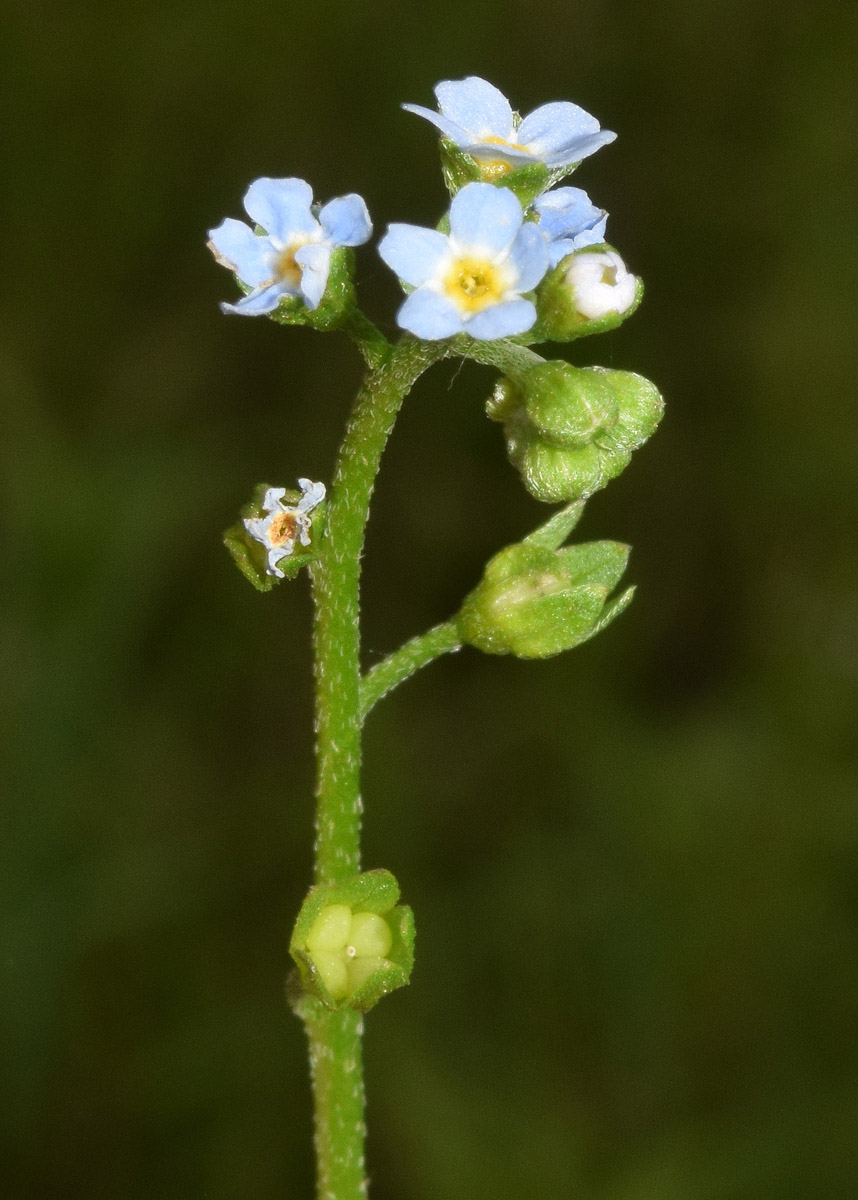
[335,1037]
[509,357]
[404,662]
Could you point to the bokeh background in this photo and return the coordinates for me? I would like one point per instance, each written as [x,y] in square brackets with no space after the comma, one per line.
[635,867]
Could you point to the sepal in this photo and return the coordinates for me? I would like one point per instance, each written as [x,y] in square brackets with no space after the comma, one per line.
[536,600]
[337,303]
[352,943]
[526,182]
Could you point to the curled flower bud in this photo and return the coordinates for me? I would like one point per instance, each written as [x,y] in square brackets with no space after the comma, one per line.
[589,291]
[570,430]
[600,284]
[352,942]
[535,600]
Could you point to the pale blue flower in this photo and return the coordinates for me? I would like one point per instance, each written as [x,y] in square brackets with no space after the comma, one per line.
[472,280]
[569,221]
[479,120]
[292,257]
[284,524]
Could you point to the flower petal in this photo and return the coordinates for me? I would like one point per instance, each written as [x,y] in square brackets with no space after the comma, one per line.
[529,256]
[429,315]
[449,128]
[562,247]
[263,300]
[414,253]
[561,133]
[477,106]
[502,320]
[345,221]
[238,248]
[271,499]
[274,556]
[315,263]
[484,218]
[314,493]
[281,207]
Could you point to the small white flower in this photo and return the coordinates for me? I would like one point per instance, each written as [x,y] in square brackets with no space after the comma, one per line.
[285,524]
[601,284]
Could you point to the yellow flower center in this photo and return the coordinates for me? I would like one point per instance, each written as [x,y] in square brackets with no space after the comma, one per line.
[473,284]
[285,267]
[495,168]
[282,529]
[494,140]
[609,276]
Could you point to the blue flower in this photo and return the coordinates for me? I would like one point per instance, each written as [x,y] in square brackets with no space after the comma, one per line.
[472,281]
[569,221]
[285,524]
[292,257]
[478,118]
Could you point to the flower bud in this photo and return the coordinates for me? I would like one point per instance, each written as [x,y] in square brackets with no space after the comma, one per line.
[352,942]
[570,430]
[535,601]
[590,291]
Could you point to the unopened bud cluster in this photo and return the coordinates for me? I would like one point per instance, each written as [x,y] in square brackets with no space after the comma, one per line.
[569,430]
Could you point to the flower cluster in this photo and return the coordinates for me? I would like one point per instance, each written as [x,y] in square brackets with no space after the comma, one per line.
[479,273]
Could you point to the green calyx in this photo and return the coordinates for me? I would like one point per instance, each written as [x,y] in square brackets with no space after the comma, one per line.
[526,182]
[352,942]
[251,556]
[336,305]
[536,599]
[558,320]
[570,430]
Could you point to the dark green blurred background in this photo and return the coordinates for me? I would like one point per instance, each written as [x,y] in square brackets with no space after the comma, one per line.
[634,867]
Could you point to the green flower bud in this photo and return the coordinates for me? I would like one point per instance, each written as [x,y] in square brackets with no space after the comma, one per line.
[589,291]
[535,600]
[352,942]
[277,535]
[570,430]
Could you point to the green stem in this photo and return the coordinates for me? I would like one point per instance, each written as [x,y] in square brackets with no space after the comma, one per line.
[336,580]
[402,663]
[509,357]
[335,1037]
[336,1070]
[368,338]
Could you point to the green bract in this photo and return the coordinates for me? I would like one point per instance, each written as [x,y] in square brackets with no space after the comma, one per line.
[250,556]
[570,430]
[352,942]
[535,600]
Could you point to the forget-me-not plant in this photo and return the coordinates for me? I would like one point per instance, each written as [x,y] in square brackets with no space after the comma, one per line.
[511,264]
